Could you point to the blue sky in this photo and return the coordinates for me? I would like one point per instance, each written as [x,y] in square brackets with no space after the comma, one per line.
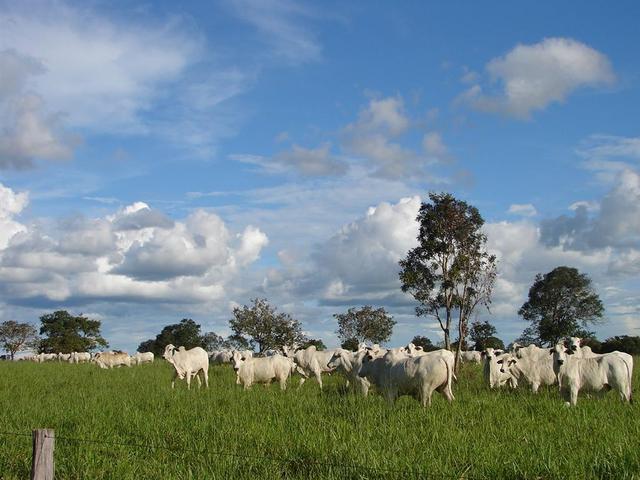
[163,160]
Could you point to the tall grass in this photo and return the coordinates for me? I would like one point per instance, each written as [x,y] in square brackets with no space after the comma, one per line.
[143,429]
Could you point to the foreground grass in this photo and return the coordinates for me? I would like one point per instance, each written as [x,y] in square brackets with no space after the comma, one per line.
[143,429]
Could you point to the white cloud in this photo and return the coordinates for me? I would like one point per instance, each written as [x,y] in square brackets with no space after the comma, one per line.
[523,209]
[11,205]
[534,76]
[280,23]
[311,162]
[435,148]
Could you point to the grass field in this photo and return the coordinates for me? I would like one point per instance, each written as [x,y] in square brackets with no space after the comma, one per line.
[139,428]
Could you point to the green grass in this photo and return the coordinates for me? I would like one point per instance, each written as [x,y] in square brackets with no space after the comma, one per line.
[225,432]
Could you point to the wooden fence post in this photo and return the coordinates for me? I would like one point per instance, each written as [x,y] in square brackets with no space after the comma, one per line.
[42,464]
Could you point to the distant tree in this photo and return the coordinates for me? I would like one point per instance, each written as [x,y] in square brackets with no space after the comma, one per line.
[479,332]
[365,325]
[561,304]
[15,337]
[264,326]
[211,341]
[450,268]
[623,343]
[489,342]
[594,344]
[318,343]
[65,333]
[237,342]
[350,344]
[424,342]
[529,336]
[464,345]
[184,334]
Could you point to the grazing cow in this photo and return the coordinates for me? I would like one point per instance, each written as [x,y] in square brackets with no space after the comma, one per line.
[492,374]
[188,363]
[63,357]
[534,366]
[592,374]
[397,374]
[471,356]
[262,369]
[142,357]
[310,361]
[349,363]
[112,359]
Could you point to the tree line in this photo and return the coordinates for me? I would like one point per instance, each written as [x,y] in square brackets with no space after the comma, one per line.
[450,274]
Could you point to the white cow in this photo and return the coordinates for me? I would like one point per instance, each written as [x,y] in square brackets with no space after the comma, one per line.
[491,370]
[188,363]
[349,363]
[397,374]
[79,357]
[471,356]
[63,357]
[262,369]
[592,374]
[112,359]
[142,357]
[534,365]
[311,361]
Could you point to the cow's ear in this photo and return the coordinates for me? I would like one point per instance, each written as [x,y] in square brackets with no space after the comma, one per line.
[483,353]
[551,351]
[243,359]
[512,361]
[498,352]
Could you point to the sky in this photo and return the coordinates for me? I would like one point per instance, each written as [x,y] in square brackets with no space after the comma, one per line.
[169,160]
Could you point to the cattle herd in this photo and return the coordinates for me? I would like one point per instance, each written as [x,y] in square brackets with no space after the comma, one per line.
[407,370]
[412,371]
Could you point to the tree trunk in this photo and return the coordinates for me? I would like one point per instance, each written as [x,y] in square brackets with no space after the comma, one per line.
[447,339]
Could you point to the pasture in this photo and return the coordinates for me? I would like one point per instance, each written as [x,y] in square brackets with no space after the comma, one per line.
[127,423]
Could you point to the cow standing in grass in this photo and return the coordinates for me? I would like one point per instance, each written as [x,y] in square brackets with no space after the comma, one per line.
[592,374]
[532,364]
[250,370]
[188,363]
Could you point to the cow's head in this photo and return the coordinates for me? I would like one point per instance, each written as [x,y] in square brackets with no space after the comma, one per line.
[168,352]
[340,359]
[505,362]
[560,353]
[367,360]
[573,343]
[237,360]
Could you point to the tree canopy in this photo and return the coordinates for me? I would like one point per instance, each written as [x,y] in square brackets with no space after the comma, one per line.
[364,325]
[424,342]
[561,303]
[184,334]
[450,269]
[264,326]
[15,337]
[66,333]
[480,332]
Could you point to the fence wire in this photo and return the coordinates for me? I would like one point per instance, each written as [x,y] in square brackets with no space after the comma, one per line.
[411,473]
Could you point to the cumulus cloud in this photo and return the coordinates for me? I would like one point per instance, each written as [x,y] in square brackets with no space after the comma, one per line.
[616,224]
[136,254]
[523,209]
[533,76]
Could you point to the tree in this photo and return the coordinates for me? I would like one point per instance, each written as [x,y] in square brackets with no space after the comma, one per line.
[184,334]
[264,326]
[365,325]
[15,337]
[424,342]
[211,341]
[350,344]
[479,333]
[490,342]
[450,269]
[529,336]
[562,303]
[237,342]
[623,343]
[66,333]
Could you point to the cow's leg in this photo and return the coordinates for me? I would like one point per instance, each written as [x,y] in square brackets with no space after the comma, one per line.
[173,380]
[188,380]
[205,374]
[535,386]
[573,395]
[318,375]
[283,382]
[198,379]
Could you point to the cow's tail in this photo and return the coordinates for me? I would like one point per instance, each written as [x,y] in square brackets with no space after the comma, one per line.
[450,377]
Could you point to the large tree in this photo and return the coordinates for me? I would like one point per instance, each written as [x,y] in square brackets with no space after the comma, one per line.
[480,332]
[365,324]
[561,303]
[449,270]
[424,342]
[264,326]
[184,334]
[15,337]
[66,333]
